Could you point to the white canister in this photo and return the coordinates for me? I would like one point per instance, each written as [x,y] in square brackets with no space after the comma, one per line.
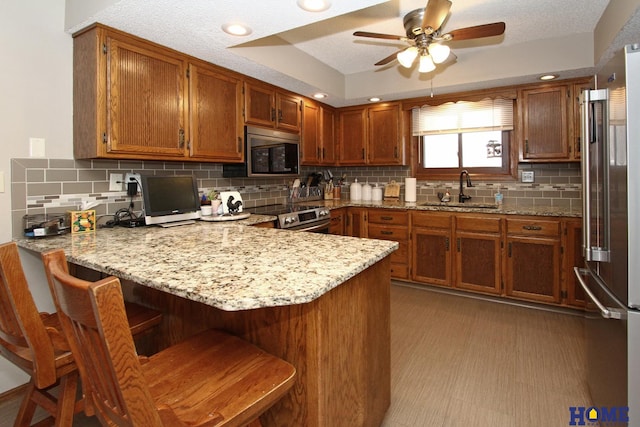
[366,192]
[355,190]
[376,194]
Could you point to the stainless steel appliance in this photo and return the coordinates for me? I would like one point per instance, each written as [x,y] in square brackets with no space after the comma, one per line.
[297,217]
[268,152]
[611,240]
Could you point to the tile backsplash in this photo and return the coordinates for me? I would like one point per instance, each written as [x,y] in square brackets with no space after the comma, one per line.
[54,186]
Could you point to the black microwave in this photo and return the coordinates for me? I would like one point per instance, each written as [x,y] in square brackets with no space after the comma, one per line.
[268,152]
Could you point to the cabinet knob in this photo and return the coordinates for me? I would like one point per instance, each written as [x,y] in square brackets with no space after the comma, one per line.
[532,227]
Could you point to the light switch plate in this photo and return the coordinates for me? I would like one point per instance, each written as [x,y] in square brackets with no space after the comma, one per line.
[115,182]
[528,176]
[36,147]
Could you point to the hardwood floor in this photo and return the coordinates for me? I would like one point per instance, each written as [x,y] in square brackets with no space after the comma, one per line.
[464,362]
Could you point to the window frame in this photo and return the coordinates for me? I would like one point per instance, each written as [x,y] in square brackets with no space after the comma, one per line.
[508,171]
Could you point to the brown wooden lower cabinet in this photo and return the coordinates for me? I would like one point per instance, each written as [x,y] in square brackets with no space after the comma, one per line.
[392,224]
[337,221]
[356,225]
[431,254]
[572,292]
[478,253]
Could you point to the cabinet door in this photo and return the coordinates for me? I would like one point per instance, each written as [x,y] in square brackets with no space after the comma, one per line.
[478,262]
[356,222]
[337,222]
[311,144]
[573,258]
[544,124]
[574,144]
[288,112]
[328,135]
[385,135]
[431,258]
[145,100]
[215,115]
[259,105]
[533,268]
[353,136]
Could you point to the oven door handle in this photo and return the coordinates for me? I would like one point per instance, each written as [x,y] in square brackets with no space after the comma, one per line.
[606,312]
[311,227]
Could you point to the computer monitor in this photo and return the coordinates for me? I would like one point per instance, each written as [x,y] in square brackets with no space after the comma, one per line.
[170,200]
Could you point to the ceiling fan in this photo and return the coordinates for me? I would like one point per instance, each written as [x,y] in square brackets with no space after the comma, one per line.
[427,41]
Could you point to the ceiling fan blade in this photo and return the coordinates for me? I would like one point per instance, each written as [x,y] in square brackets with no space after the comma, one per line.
[378,35]
[389,58]
[434,15]
[477,32]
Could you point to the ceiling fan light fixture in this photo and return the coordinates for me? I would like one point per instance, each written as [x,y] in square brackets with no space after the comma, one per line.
[314,5]
[236,29]
[407,56]
[426,64]
[439,52]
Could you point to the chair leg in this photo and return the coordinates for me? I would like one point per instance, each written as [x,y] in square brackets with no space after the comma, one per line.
[27,407]
[67,400]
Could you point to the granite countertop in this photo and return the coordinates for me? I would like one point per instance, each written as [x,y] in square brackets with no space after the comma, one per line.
[227,265]
[505,209]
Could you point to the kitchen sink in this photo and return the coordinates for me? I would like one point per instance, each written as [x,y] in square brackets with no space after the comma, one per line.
[461,205]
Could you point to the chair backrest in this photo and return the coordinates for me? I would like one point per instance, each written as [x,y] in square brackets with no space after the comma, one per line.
[94,319]
[24,339]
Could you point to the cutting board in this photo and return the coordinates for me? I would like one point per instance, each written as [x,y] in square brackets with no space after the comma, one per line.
[392,191]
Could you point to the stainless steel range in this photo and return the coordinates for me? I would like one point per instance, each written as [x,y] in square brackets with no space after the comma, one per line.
[297,217]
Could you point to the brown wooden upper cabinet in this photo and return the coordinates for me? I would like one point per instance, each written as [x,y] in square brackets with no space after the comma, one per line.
[266,106]
[132,100]
[318,134]
[371,135]
[549,121]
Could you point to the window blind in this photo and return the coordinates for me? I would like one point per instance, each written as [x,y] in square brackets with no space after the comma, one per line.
[463,116]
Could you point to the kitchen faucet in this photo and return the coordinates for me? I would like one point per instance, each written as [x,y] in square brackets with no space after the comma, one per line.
[462,197]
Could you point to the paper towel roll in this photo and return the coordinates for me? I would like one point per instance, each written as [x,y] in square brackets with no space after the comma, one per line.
[410,189]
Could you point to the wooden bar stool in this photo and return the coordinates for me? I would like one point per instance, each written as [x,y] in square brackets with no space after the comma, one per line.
[211,379]
[34,342]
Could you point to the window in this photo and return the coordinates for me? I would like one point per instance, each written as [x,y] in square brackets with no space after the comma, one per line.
[465,135]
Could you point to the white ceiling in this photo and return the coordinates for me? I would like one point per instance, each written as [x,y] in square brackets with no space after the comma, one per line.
[307,52]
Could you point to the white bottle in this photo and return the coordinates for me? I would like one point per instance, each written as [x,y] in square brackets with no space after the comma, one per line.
[366,192]
[355,190]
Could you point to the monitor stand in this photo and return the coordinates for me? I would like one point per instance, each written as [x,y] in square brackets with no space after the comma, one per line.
[176,223]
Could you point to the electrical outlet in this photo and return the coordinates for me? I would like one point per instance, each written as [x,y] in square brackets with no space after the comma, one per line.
[528,176]
[133,177]
[115,182]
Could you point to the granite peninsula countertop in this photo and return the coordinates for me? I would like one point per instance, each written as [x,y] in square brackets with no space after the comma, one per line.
[227,265]
[506,209]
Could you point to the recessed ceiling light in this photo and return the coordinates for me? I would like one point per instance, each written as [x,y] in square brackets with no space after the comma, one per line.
[314,5]
[236,29]
[375,99]
[320,95]
[548,77]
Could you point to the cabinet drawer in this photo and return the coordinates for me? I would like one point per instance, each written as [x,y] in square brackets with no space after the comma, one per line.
[478,223]
[533,227]
[387,232]
[431,220]
[399,271]
[388,216]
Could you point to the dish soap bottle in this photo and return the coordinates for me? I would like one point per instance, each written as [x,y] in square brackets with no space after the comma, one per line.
[498,197]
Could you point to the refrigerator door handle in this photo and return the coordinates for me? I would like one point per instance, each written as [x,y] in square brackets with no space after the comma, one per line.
[606,312]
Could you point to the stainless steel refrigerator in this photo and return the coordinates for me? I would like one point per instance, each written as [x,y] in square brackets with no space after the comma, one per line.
[611,233]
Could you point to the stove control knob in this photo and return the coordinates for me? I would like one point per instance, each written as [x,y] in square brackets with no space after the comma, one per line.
[323,212]
[289,219]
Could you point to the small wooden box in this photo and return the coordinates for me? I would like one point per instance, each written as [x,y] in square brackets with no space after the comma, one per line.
[82,221]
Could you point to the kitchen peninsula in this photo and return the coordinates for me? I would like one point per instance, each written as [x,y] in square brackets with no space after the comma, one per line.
[320,302]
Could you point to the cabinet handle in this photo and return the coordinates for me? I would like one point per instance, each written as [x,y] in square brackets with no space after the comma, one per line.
[395,152]
[526,146]
[273,114]
[239,144]
[323,153]
[458,244]
[386,218]
[181,138]
[318,153]
[532,227]
[280,115]
[446,244]
[386,233]
[363,154]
